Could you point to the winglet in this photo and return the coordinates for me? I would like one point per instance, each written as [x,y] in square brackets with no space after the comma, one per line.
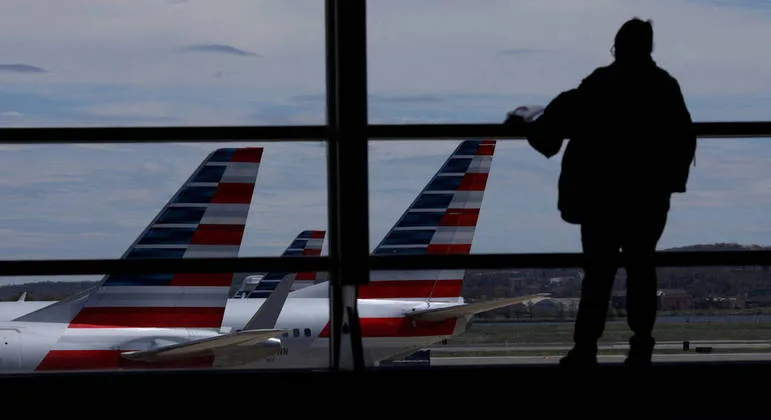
[23,297]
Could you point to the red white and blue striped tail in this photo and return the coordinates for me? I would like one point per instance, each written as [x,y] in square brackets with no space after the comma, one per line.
[205,218]
[441,220]
[307,243]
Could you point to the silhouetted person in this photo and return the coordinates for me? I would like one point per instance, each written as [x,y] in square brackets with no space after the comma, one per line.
[631,146]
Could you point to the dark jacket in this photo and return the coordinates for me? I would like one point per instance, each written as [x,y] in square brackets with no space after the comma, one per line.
[631,141]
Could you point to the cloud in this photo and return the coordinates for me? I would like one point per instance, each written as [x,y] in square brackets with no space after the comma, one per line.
[219,49]
[519,51]
[21,68]
[406,98]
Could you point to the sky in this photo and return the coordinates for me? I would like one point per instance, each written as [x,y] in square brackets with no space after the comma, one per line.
[261,62]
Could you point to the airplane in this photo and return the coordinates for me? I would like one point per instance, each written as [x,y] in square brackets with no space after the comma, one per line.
[156,320]
[306,243]
[400,311]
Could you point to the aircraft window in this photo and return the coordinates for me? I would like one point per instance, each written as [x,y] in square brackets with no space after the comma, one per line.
[307,332]
[296,332]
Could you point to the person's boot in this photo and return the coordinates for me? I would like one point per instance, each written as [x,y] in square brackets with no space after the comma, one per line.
[640,352]
[579,357]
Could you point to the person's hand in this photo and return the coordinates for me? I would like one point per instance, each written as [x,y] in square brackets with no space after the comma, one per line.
[523,114]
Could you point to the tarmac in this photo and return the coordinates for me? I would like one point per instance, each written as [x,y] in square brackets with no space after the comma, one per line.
[561,348]
[615,358]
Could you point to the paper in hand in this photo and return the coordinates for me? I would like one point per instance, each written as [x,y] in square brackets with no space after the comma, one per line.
[527,114]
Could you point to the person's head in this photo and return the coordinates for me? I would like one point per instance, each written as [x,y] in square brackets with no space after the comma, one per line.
[634,40]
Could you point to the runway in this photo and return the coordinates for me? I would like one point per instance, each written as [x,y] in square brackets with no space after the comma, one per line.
[615,358]
[667,345]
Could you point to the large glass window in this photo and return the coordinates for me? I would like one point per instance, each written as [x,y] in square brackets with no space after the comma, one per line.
[727,199]
[450,61]
[162,63]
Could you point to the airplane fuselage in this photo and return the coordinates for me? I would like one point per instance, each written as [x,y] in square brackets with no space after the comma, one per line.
[386,331]
[31,346]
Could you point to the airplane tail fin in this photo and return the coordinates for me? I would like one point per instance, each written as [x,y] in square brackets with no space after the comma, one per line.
[206,217]
[307,243]
[441,220]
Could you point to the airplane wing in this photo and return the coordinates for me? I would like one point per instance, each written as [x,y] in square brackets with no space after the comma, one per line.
[216,346]
[22,298]
[469,309]
[257,340]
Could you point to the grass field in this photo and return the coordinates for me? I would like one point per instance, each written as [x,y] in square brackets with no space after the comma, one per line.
[562,333]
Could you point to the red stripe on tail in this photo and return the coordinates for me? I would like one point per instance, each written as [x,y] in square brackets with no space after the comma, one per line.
[233,193]
[486,149]
[473,181]
[218,235]
[460,217]
[306,275]
[448,249]
[249,154]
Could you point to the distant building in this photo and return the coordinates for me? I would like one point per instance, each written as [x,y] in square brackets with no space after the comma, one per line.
[557,281]
[556,307]
[675,299]
[668,299]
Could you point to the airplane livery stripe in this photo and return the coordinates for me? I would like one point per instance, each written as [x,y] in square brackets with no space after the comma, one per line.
[447,210]
[480,164]
[316,234]
[460,217]
[392,289]
[218,235]
[306,275]
[211,280]
[449,249]
[306,243]
[400,327]
[211,251]
[410,275]
[233,193]
[158,296]
[157,317]
[205,218]
[473,182]
[250,154]
[202,279]
[441,220]
[74,360]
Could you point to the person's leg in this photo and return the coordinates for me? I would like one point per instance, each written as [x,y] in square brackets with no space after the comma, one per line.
[600,248]
[639,246]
